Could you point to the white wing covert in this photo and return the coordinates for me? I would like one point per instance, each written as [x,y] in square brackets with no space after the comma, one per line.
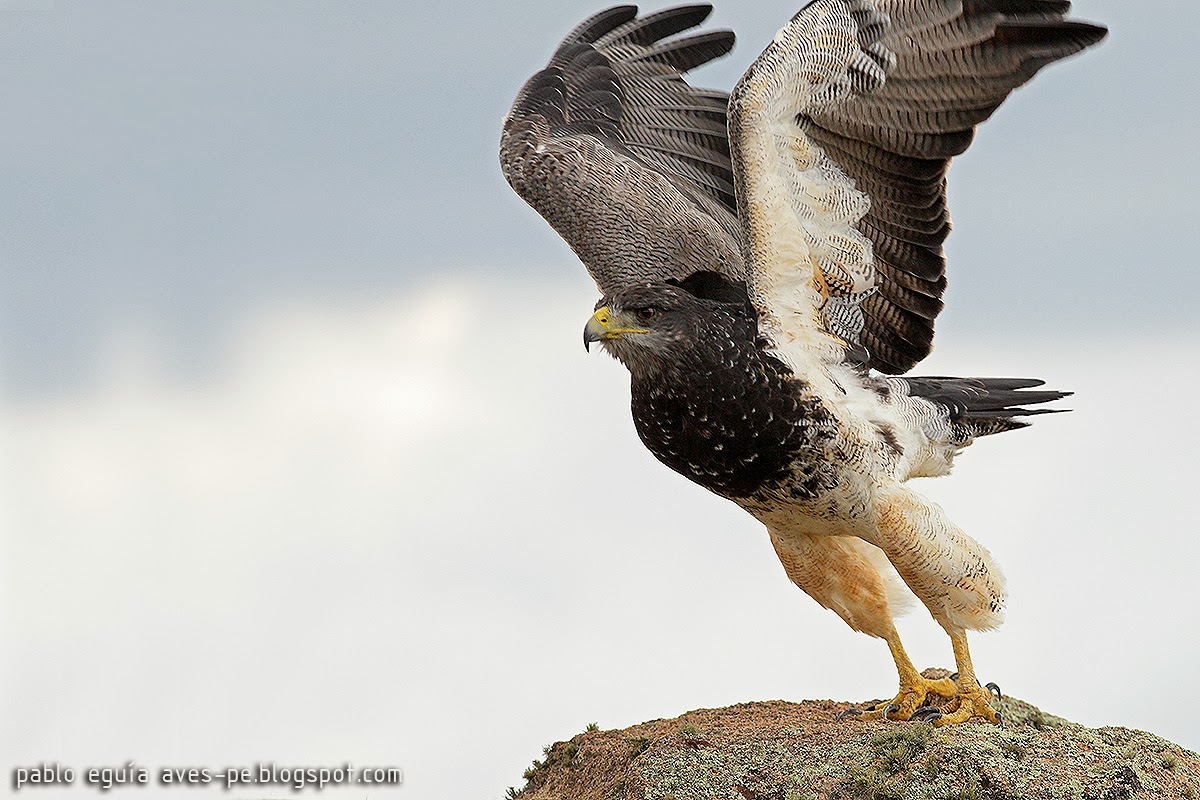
[809,263]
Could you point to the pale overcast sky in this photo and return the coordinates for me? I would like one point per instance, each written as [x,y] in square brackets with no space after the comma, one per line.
[176,164]
[279,482]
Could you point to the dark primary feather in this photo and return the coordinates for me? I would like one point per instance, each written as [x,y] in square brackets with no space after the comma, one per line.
[651,28]
[599,24]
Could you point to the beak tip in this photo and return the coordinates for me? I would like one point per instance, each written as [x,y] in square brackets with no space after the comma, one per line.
[596,329]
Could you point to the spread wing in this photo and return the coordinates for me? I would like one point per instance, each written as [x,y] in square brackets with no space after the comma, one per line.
[625,160]
[841,133]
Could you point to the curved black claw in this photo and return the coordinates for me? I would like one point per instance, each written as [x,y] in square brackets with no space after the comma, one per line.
[999,719]
[888,709]
[925,714]
[992,686]
[849,712]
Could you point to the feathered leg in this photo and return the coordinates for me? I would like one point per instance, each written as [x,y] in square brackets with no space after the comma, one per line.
[952,574]
[852,578]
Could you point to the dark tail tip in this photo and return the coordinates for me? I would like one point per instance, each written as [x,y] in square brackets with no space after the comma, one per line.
[987,405]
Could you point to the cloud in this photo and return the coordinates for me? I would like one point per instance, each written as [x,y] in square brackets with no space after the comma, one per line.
[199,159]
[422,526]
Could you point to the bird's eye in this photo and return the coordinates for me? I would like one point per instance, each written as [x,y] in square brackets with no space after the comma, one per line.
[646,314]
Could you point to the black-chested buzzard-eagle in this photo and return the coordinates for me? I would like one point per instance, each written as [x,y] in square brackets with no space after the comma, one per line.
[771,261]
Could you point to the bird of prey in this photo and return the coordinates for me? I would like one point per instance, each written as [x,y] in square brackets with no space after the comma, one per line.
[771,262]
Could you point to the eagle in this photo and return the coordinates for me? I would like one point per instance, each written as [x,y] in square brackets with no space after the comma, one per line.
[771,264]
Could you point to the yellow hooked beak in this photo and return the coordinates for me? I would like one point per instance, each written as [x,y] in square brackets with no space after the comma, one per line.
[604,324]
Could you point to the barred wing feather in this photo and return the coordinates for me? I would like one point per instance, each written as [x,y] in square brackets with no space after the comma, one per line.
[624,159]
[841,133]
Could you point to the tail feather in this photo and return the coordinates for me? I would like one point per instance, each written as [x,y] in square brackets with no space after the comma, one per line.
[982,406]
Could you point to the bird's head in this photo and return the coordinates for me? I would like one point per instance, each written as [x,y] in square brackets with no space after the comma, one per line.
[656,325]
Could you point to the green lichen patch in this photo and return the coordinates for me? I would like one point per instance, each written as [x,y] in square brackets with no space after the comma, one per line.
[797,751]
[897,746]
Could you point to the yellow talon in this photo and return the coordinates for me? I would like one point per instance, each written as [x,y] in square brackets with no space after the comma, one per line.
[914,691]
[966,697]
[971,701]
[912,695]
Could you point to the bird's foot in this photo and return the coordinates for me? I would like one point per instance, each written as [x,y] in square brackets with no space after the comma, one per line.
[971,701]
[909,703]
[991,686]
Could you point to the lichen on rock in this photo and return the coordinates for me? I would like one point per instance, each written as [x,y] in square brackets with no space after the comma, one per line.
[777,750]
